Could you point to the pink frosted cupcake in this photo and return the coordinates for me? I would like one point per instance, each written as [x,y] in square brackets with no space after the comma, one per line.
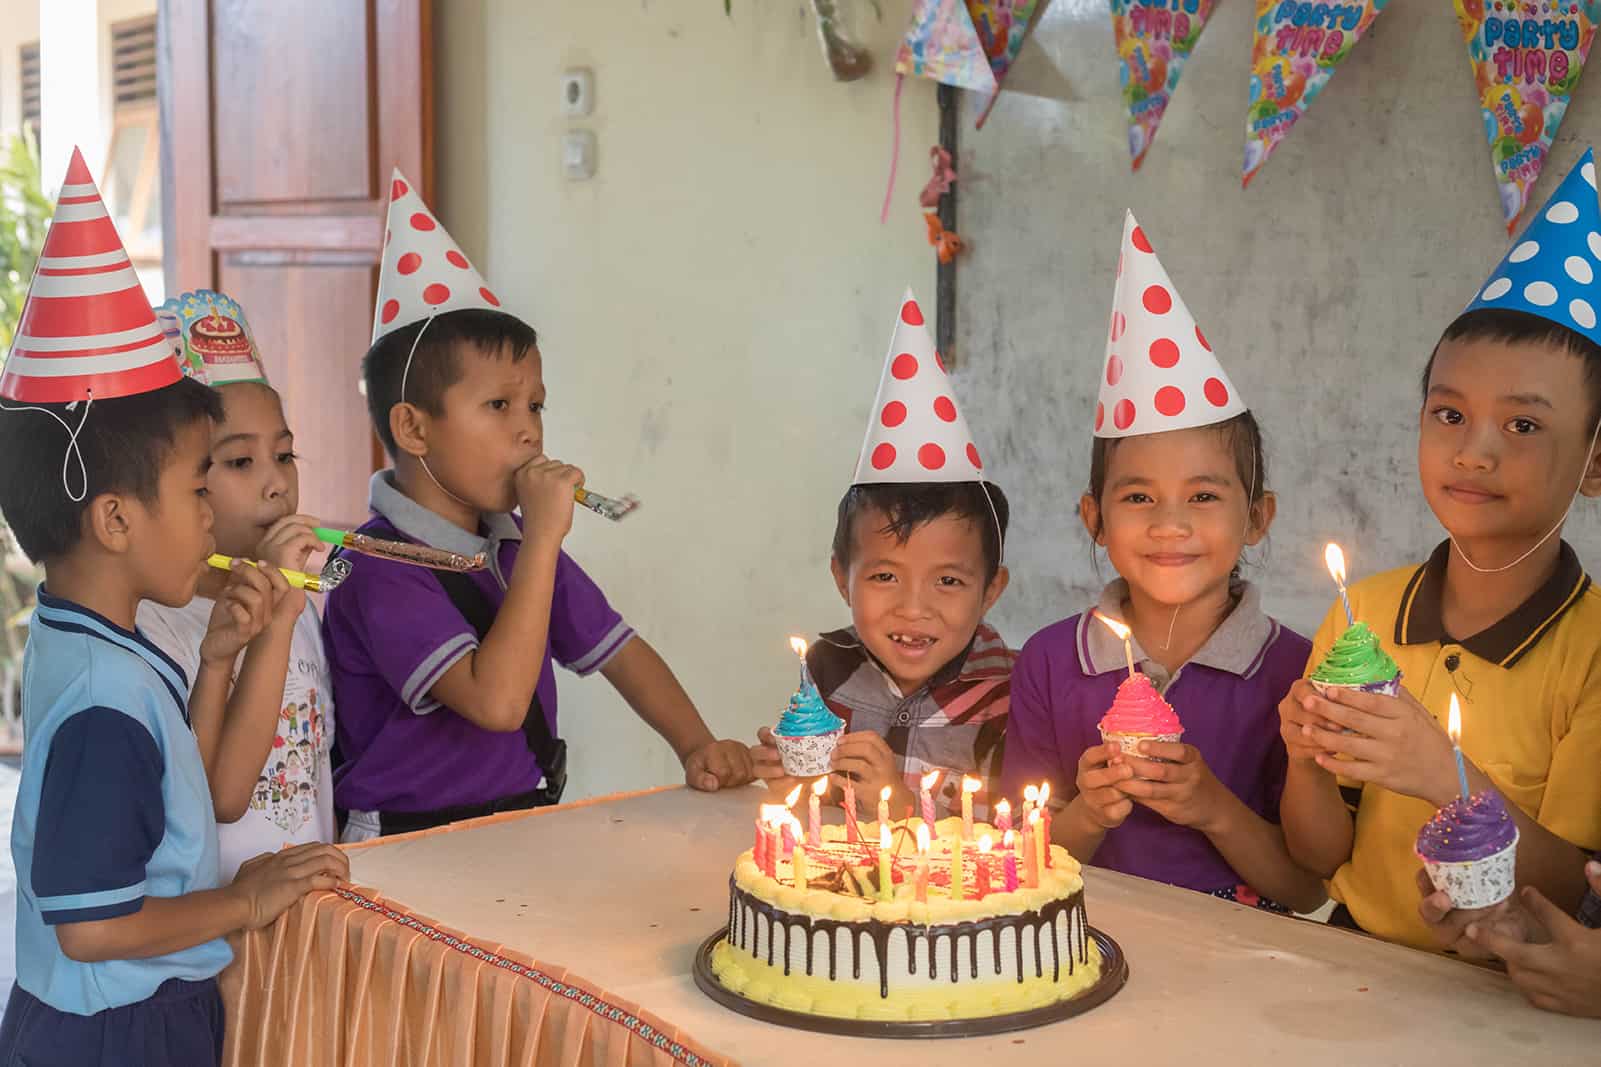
[1138,713]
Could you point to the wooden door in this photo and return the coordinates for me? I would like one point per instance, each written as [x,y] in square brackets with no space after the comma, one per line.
[280,123]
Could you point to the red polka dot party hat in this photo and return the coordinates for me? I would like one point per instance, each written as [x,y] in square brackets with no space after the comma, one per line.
[423,274]
[1160,373]
[915,432]
[87,330]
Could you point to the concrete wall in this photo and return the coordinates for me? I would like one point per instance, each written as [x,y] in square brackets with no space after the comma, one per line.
[713,309]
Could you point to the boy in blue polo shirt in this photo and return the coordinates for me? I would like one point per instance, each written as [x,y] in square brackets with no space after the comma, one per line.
[120,919]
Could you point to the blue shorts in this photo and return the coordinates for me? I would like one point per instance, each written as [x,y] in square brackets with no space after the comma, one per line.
[181,1023]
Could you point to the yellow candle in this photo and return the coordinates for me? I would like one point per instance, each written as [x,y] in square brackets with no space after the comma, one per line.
[1039,840]
[969,787]
[886,883]
[922,864]
[958,890]
[800,867]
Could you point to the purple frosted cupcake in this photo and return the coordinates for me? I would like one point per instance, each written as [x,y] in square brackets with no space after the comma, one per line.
[1469,849]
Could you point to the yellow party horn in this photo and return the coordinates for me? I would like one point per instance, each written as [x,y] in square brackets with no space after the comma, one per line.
[336,571]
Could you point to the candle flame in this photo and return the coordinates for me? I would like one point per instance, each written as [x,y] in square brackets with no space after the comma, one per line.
[1032,794]
[1118,628]
[794,795]
[1454,722]
[985,844]
[883,794]
[1004,807]
[970,785]
[883,838]
[1334,559]
[820,787]
[799,645]
[1045,793]
[928,780]
[922,839]
[1008,838]
[771,813]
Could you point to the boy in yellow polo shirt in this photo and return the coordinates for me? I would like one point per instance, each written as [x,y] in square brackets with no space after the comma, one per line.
[1501,614]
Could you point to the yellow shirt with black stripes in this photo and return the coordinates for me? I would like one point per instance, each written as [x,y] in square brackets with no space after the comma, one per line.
[1530,690]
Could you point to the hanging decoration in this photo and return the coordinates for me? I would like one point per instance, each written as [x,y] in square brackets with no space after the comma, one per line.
[1154,38]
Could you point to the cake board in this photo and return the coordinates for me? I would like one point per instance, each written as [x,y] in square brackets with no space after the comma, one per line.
[1114,974]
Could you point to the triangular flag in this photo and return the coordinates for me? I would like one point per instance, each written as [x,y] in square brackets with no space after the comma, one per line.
[87,329]
[1001,26]
[1526,59]
[215,342]
[915,432]
[423,273]
[941,43]
[1551,270]
[1152,45]
[1297,47]
[1160,373]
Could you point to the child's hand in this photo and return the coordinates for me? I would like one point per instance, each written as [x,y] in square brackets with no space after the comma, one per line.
[718,765]
[241,612]
[271,883]
[867,757]
[1564,973]
[545,489]
[1449,924]
[1173,780]
[767,766]
[1102,774]
[289,542]
[1294,713]
[1397,743]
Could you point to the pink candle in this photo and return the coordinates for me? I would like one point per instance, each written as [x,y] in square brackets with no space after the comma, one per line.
[789,837]
[853,832]
[981,868]
[759,851]
[814,813]
[926,796]
[1009,863]
[921,886]
[1045,818]
[1003,816]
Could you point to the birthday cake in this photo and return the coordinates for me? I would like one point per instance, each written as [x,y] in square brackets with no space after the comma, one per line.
[958,935]
[220,339]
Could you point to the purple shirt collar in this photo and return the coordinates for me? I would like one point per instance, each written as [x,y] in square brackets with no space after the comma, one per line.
[429,528]
[1237,646]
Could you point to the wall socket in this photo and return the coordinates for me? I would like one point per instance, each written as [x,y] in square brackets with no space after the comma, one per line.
[577,93]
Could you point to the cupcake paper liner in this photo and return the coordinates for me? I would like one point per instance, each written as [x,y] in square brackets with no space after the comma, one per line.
[1389,687]
[1130,743]
[807,757]
[1476,883]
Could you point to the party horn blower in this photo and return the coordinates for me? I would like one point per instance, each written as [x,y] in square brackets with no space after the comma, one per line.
[605,506]
[333,574]
[401,551]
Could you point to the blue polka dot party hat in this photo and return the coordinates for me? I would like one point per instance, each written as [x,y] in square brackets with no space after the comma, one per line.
[1551,270]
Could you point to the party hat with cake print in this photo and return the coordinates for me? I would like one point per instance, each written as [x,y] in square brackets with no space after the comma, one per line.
[1551,270]
[87,331]
[424,272]
[1159,373]
[215,342]
[915,432]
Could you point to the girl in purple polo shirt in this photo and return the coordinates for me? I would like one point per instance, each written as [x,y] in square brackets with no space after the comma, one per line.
[1175,494]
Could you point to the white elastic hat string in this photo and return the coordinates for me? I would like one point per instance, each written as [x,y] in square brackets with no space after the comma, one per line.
[405,374]
[73,449]
[1000,534]
[1589,454]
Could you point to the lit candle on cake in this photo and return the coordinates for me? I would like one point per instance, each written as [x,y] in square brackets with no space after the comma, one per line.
[981,871]
[883,806]
[758,852]
[1003,816]
[1009,861]
[853,832]
[772,815]
[1334,559]
[925,794]
[1045,818]
[789,822]
[886,881]
[1454,729]
[1031,856]
[958,889]
[814,813]
[1122,631]
[922,864]
[1031,798]
[969,787]
[799,864]
[1037,861]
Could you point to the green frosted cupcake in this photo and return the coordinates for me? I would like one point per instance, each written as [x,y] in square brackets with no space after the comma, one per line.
[1356,661]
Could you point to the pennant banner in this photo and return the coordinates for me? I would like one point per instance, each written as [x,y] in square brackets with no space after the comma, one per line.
[941,43]
[1154,38]
[1298,44]
[1526,59]
[1001,26]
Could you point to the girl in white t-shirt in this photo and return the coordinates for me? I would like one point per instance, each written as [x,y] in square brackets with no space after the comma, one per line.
[260,701]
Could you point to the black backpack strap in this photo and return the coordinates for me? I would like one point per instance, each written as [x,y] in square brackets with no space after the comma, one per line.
[474,607]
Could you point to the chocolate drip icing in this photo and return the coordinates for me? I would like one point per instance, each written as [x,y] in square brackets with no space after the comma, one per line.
[878,934]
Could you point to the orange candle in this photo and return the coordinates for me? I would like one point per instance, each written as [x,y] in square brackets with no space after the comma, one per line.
[922,864]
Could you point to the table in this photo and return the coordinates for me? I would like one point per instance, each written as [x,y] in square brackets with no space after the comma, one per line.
[622,890]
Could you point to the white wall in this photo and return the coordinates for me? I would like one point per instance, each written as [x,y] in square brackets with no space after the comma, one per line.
[713,309]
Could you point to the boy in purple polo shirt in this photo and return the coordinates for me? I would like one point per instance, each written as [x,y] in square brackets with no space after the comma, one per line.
[1175,494]
[444,680]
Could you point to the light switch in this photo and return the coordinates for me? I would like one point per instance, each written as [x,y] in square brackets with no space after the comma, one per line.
[578,155]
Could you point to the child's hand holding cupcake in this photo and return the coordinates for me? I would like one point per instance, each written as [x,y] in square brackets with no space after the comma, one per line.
[1391,741]
[1102,770]
[1174,781]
